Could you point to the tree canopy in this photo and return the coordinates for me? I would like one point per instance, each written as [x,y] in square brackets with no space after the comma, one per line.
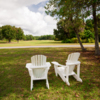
[11,32]
[19,34]
[8,32]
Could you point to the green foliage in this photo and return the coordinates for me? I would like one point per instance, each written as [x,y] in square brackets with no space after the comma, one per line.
[98,19]
[99,33]
[1,36]
[60,33]
[89,25]
[29,37]
[46,37]
[84,40]
[56,39]
[63,31]
[91,40]
[88,34]
[74,40]
[9,32]
[19,34]
[67,41]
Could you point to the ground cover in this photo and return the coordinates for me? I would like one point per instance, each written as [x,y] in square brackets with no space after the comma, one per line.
[15,79]
[36,43]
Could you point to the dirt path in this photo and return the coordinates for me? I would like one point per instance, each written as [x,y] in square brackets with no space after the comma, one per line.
[46,46]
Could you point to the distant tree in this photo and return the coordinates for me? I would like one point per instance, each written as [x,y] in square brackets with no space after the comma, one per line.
[89,25]
[29,37]
[46,37]
[98,22]
[61,33]
[9,32]
[36,37]
[19,34]
[1,37]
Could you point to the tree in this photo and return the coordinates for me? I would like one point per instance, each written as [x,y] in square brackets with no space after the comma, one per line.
[29,37]
[61,34]
[19,34]
[9,32]
[1,37]
[67,10]
[93,7]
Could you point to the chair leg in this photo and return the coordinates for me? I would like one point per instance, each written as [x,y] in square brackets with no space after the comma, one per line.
[31,84]
[55,67]
[67,81]
[77,78]
[47,83]
[67,76]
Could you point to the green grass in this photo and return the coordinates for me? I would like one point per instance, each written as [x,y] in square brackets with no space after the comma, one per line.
[15,79]
[35,43]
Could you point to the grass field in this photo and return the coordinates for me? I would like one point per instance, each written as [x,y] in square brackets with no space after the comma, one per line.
[15,79]
[35,43]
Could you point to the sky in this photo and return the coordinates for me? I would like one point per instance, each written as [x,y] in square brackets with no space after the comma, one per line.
[29,15]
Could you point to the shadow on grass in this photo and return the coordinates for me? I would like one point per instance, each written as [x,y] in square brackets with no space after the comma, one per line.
[3,42]
[15,79]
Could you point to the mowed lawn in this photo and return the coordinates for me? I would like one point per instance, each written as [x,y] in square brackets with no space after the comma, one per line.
[36,43]
[15,79]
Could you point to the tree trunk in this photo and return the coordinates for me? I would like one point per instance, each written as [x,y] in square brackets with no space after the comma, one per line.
[17,40]
[82,47]
[9,40]
[95,30]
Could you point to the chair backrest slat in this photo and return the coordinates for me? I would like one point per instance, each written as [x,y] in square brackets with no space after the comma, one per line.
[73,57]
[38,60]
[41,60]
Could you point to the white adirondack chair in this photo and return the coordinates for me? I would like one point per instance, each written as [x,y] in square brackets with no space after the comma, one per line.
[65,71]
[38,69]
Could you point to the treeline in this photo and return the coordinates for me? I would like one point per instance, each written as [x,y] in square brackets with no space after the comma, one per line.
[9,33]
[44,37]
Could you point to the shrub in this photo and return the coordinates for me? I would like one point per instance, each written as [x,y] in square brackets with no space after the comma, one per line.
[67,41]
[88,34]
[91,40]
[84,40]
[74,40]
[56,39]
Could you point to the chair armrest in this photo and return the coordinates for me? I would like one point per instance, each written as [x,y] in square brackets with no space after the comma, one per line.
[30,72]
[62,65]
[55,63]
[73,63]
[29,65]
[48,64]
